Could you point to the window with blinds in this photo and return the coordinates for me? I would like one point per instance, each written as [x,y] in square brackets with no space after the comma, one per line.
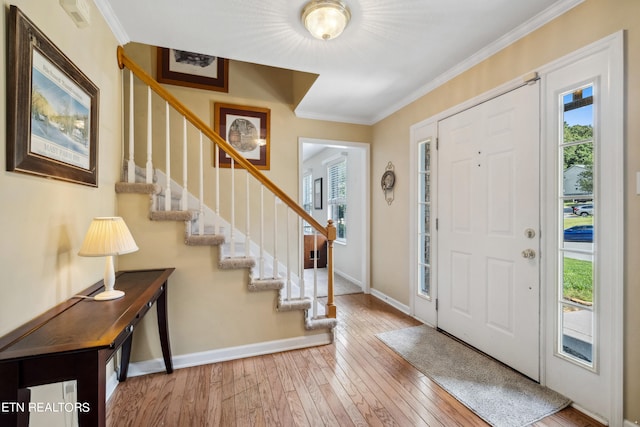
[337,197]
[307,198]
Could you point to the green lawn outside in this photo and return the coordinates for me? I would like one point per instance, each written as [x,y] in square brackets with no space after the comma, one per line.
[578,279]
[570,221]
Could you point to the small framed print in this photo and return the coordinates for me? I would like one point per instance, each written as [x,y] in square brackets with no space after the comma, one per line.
[317,193]
[247,130]
[196,70]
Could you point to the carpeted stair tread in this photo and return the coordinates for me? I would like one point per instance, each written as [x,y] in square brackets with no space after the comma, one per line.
[294,304]
[204,240]
[233,263]
[137,187]
[256,285]
[188,215]
[320,323]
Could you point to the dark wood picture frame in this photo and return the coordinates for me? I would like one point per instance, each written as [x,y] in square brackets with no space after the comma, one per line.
[195,70]
[247,129]
[317,193]
[52,108]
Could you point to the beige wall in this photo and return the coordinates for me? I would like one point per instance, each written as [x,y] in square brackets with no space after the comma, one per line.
[44,221]
[591,21]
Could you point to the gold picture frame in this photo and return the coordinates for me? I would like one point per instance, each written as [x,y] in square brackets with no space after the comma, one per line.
[247,129]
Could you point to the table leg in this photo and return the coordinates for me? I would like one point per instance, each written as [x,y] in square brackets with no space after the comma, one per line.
[24,398]
[126,356]
[92,380]
[163,329]
[9,399]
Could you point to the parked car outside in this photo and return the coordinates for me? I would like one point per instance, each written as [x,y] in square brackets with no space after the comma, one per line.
[579,233]
[583,210]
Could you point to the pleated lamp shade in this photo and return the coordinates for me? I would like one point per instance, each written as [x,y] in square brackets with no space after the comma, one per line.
[108,236]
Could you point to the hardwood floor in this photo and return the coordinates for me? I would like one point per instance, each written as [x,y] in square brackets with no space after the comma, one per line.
[355,381]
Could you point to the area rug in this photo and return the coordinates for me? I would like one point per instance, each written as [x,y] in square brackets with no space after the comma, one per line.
[497,394]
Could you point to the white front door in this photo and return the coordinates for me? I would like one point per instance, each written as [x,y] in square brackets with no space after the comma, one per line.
[489,227]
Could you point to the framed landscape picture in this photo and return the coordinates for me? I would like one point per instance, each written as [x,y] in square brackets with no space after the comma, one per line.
[190,69]
[52,108]
[247,130]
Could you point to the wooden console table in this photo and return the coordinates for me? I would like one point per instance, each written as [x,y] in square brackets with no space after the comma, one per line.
[75,340]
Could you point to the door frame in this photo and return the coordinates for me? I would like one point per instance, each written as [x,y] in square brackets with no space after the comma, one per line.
[419,307]
[363,200]
[428,129]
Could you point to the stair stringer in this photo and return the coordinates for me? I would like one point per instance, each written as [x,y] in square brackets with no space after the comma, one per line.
[189,216]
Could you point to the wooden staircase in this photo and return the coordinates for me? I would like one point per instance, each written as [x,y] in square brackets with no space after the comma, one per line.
[266,271]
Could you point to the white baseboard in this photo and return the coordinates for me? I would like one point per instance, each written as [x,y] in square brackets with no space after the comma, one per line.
[231,353]
[392,302]
[112,383]
[349,278]
[628,423]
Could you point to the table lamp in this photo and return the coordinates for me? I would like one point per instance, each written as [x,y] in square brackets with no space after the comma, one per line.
[108,236]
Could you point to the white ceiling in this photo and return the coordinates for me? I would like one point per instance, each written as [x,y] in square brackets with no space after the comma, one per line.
[392,52]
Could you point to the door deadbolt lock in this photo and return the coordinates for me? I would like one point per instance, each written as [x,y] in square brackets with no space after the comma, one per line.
[529,254]
[530,233]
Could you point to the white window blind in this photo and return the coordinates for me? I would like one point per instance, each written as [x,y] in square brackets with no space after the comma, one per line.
[337,196]
[307,199]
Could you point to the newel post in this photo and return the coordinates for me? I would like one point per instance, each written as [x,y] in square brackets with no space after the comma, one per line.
[331,236]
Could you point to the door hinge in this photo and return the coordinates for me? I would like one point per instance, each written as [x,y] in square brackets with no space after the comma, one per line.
[437,143]
[436,304]
[437,224]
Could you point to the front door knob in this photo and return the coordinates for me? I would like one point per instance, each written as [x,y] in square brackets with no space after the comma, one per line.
[529,254]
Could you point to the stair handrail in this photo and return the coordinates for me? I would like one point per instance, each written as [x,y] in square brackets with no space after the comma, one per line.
[329,231]
[125,61]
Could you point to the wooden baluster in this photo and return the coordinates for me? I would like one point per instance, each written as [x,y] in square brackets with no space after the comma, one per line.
[149,169]
[184,199]
[275,238]
[247,236]
[233,209]
[131,164]
[216,154]
[301,280]
[201,190]
[315,274]
[331,236]
[288,256]
[261,231]
[167,190]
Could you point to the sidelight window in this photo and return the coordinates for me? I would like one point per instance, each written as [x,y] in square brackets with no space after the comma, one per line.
[424,215]
[577,212]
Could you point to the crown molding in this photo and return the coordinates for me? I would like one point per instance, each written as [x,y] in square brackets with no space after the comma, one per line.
[112,21]
[511,37]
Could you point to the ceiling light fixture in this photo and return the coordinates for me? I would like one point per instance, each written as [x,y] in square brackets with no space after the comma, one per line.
[325,19]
